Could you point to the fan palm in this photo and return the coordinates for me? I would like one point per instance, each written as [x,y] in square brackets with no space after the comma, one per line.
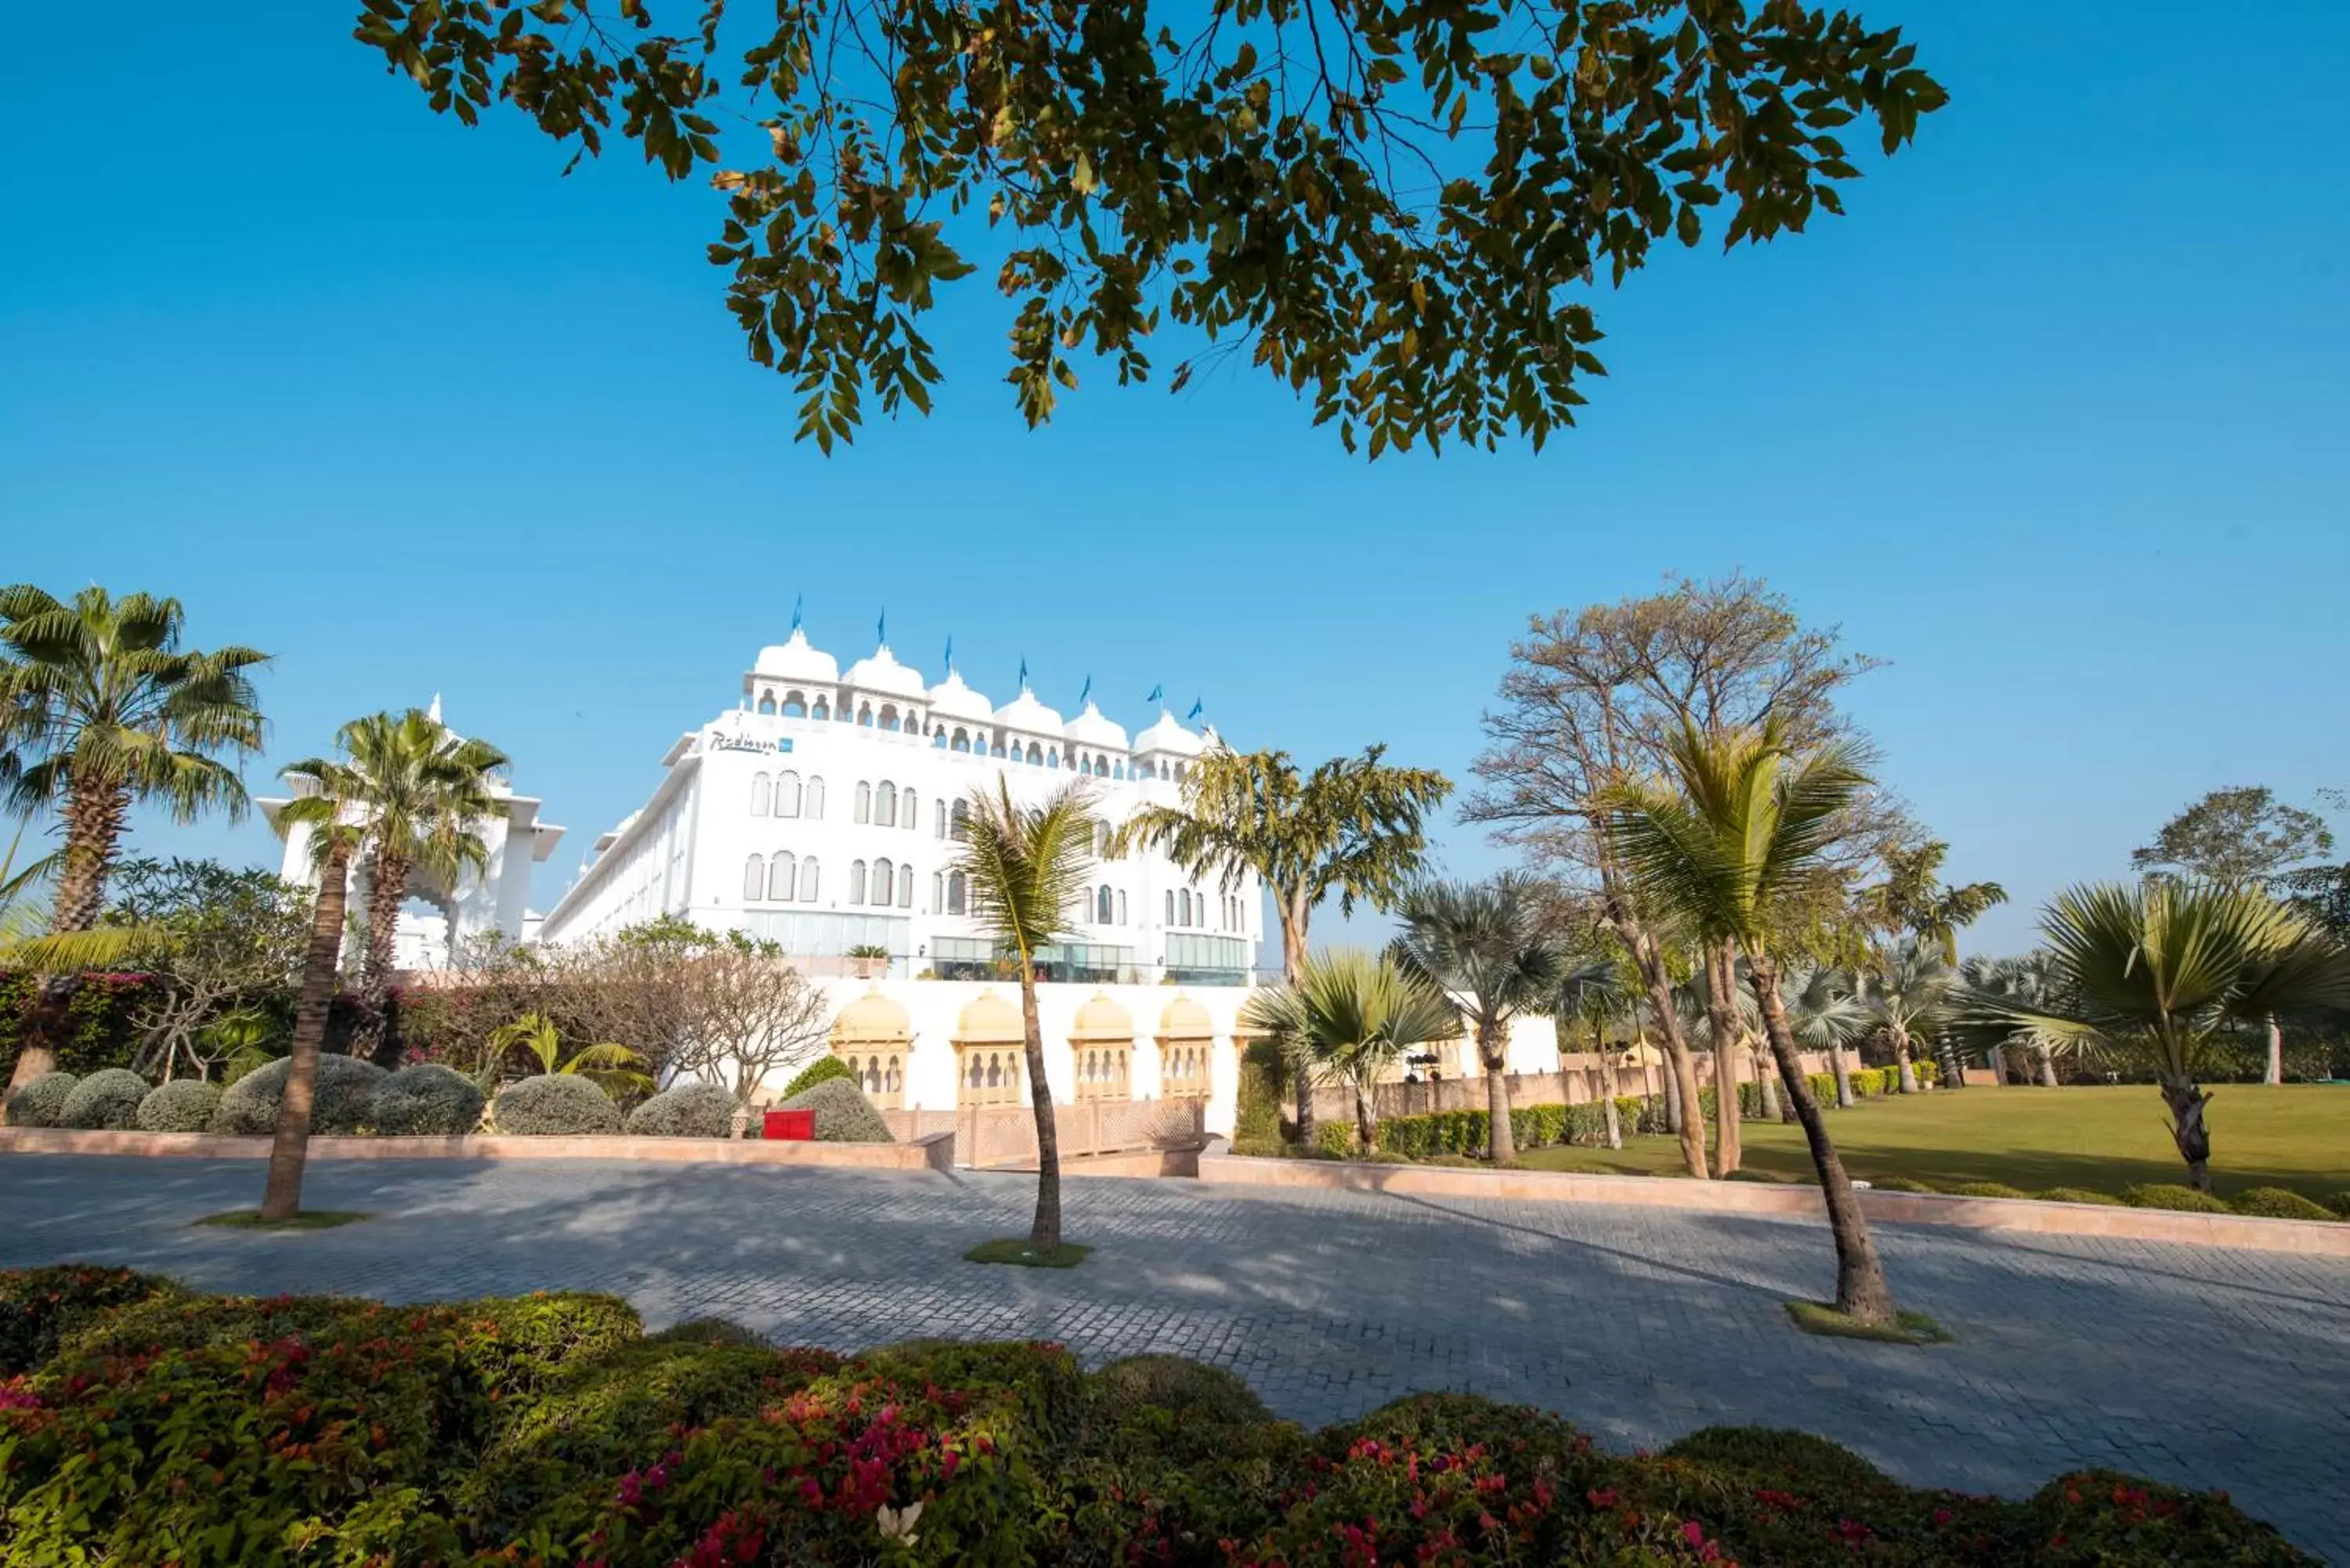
[1730,848]
[1909,992]
[1987,986]
[23,947]
[1028,868]
[100,709]
[427,798]
[1352,1016]
[1352,829]
[1494,945]
[1824,1014]
[1595,993]
[2163,970]
[613,1068]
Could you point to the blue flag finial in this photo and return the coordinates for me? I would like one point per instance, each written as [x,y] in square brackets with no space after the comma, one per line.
[1023,672]
[949,659]
[1087,693]
[1158,694]
[796,600]
[1198,707]
[881,628]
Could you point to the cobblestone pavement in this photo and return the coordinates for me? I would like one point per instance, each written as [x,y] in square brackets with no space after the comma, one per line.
[2192,1365]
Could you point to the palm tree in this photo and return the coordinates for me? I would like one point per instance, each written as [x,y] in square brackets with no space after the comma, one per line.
[1353,829]
[1493,944]
[1352,1016]
[1911,899]
[100,708]
[1824,1014]
[1988,985]
[1909,992]
[1730,851]
[2162,971]
[428,796]
[1028,868]
[1709,1005]
[1595,993]
[613,1068]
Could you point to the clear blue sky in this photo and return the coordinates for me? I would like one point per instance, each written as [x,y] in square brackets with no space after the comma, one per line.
[2053,422]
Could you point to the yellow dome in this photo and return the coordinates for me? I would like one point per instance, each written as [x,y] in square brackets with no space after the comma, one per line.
[1186,1020]
[873,1020]
[989,1020]
[1102,1019]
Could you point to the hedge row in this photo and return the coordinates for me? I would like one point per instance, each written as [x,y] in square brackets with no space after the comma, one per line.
[144,1425]
[1532,1127]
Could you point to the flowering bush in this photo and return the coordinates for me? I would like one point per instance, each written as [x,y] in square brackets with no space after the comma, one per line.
[42,1102]
[424,1099]
[183,1104]
[106,1101]
[689,1110]
[558,1105]
[339,1106]
[142,1424]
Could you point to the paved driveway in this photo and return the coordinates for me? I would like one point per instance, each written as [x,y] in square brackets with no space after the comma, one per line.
[2193,1364]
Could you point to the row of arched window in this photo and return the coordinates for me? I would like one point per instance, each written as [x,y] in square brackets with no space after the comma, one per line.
[794,704]
[784,795]
[781,880]
[951,820]
[1185,907]
[886,805]
[1109,905]
[884,884]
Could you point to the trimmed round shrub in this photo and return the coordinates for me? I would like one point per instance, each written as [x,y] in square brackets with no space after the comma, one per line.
[1987,1189]
[689,1110]
[559,1105]
[824,1069]
[843,1114]
[2078,1195]
[1904,1184]
[338,1104]
[426,1100]
[106,1101]
[2172,1195]
[1186,1388]
[2280,1203]
[183,1104]
[2340,1202]
[40,1103]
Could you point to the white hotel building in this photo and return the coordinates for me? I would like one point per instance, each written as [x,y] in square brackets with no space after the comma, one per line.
[820,814]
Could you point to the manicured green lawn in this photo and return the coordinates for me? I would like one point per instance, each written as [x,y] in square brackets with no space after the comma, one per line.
[2296,1135]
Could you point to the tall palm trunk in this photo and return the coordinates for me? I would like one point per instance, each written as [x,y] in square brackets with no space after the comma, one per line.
[2047,1067]
[1721,1020]
[2275,1074]
[386,891]
[1607,1083]
[1493,1055]
[281,1195]
[1862,1293]
[1293,972]
[1681,1084]
[1842,1071]
[1366,1120]
[1901,1057]
[2185,1100]
[1045,1233]
[93,819]
[1766,1084]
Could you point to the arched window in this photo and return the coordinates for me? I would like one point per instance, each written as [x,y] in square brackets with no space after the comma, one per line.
[996,750]
[1053,758]
[788,794]
[955,886]
[783,873]
[857,881]
[813,807]
[794,705]
[885,877]
[908,817]
[766,702]
[1105,905]
[864,812]
[938,812]
[1036,754]
[890,716]
[822,710]
[885,806]
[961,739]
[1118,770]
[1121,906]
[1183,904]
[808,881]
[759,790]
[938,892]
[865,716]
[755,877]
[961,820]
[939,739]
[905,887]
[1170,906]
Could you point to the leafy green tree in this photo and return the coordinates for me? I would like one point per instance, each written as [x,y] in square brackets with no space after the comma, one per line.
[100,708]
[2240,837]
[2162,971]
[1494,945]
[219,944]
[1353,829]
[1352,1017]
[1733,841]
[1402,214]
[1909,994]
[1029,868]
[427,798]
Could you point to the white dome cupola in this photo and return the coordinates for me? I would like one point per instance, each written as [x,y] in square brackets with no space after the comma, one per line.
[1166,733]
[1090,729]
[797,661]
[953,699]
[1029,716]
[881,674]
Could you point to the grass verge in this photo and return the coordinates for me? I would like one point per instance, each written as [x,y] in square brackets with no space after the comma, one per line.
[306,1219]
[1015,1250]
[1908,1328]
